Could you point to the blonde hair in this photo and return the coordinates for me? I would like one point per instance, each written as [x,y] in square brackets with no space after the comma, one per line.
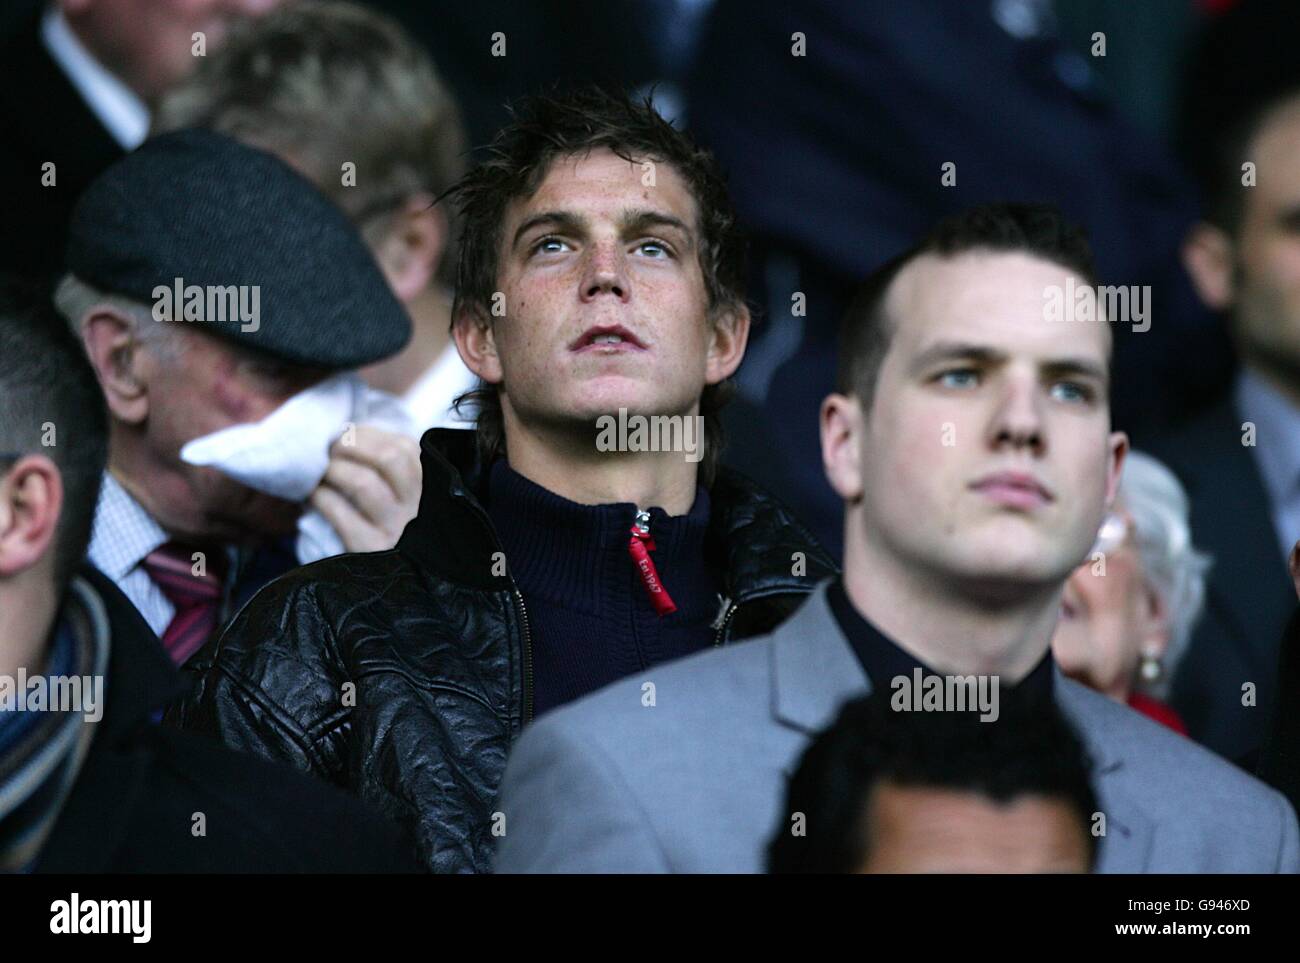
[328,84]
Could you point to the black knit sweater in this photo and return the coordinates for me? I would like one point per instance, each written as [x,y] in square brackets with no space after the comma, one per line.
[589,612]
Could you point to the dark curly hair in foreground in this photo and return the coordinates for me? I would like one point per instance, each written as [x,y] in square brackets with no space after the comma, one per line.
[1029,750]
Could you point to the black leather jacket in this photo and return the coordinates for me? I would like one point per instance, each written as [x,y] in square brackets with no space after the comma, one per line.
[406,675]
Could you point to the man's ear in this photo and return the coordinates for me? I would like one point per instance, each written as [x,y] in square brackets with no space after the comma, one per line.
[115,354]
[1118,445]
[477,344]
[412,248]
[1208,255]
[31,500]
[728,337]
[841,423]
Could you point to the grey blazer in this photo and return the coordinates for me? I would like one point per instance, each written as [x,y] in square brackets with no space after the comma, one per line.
[683,769]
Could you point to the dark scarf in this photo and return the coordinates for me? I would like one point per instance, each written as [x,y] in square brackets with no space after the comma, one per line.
[41,750]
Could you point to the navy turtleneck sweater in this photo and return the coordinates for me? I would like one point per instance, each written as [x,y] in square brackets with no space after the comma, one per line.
[589,614]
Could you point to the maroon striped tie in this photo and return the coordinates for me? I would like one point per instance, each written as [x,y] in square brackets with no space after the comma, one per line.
[197,598]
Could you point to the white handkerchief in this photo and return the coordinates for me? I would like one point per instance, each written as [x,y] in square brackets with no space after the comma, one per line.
[286,453]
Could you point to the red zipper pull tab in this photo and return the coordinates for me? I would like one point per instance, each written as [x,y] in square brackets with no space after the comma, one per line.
[639,547]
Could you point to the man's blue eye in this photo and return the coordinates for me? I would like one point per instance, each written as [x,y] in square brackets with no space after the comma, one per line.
[1071,391]
[959,378]
[655,246]
[546,244]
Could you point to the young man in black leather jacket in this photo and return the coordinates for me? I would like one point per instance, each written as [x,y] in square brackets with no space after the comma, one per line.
[584,533]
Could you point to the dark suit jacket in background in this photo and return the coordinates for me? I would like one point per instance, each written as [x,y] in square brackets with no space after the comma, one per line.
[835,161]
[131,808]
[42,118]
[1249,595]
[548,42]
[1280,762]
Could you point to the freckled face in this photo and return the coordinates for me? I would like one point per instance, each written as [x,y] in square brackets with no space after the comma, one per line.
[210,385]
[604,295]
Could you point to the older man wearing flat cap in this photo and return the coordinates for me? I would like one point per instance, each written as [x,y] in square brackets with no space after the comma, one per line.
[210,283]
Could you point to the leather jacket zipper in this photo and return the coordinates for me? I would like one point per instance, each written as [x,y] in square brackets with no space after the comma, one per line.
[734,606]
[478,510]
[722,627]
[528,657]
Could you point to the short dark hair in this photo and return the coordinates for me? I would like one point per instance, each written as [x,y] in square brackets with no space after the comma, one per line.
[1242,66]
[547,127]
[47,383]
[1029,749]
[1040,230]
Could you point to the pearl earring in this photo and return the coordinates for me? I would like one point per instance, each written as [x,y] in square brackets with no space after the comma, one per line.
[1150,668]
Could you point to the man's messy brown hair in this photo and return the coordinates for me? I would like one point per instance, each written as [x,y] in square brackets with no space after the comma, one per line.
[548,127]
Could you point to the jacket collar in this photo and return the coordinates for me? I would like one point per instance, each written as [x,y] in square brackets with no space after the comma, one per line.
[814,672]
[451,534]
[1129,828]
[751,536]
[141,678]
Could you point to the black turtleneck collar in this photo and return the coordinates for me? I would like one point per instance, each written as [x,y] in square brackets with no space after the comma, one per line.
[577,555]
[754,544]
[883,659]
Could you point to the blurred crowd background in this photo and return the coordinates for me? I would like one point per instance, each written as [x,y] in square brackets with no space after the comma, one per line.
[840,155]
[835,157]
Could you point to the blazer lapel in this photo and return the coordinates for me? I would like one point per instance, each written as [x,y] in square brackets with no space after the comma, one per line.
[1130,832]
[814,671]
[1129,829]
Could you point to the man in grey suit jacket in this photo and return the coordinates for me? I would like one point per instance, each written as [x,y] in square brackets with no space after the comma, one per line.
[970,440]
